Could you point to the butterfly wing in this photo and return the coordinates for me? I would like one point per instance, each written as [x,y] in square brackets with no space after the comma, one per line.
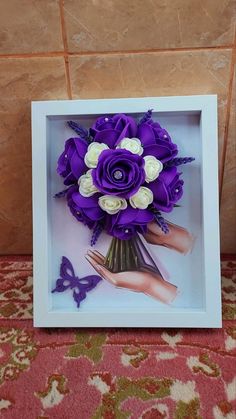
[66,269]
[68,279]
[84,285]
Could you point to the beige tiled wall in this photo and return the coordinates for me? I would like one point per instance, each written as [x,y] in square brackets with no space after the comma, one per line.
[53,49]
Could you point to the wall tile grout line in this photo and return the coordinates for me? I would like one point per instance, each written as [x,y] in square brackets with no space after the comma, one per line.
[65,45]
[48,54]
[66,53]
[152,50]
[227,122]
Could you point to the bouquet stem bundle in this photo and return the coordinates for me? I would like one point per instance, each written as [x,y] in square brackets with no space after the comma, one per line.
[129,255]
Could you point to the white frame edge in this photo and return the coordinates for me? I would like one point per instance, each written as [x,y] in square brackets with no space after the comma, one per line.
[211,317]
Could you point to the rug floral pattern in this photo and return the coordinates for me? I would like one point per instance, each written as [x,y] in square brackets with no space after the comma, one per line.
[112,374]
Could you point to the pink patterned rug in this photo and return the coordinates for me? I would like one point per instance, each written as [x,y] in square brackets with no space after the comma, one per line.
[112,374]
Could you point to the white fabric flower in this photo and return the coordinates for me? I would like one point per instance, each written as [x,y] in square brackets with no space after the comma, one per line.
[142,198]
[93,153]
[152,167]
[132,144]
[112,204]
[86,186]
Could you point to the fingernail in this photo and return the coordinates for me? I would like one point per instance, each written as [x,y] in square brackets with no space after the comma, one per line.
[99,268]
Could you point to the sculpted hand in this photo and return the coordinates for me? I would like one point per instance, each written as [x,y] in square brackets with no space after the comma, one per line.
[178,238]
[147,282]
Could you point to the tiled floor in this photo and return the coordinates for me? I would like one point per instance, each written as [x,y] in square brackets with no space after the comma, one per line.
[53,49]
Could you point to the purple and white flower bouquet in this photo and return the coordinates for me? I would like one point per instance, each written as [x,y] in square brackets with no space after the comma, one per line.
[121,177]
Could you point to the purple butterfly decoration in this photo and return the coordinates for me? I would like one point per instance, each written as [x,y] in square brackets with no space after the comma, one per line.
[80,285]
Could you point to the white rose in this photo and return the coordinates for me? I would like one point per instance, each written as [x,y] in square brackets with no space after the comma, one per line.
[142,198]
[112,204]
[93,153]
[153,168]
[86,186]
[132,144]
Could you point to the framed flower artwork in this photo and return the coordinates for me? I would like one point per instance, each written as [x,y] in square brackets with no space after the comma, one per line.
[125,202]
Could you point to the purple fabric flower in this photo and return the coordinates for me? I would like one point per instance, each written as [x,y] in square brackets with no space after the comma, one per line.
[119,172]
[167,189]
[71,162]
[156,141]
[85,210]
[127,223]
[111,129]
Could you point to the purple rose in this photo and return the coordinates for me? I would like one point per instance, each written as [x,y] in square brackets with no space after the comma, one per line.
[128,222]
[156,141]
[119,172]
[84,209]
[111,129]
[167,189]
[71,164]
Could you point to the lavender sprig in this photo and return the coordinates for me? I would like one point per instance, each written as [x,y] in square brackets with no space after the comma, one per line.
[161,222]
[63,193]
[178,161]
[96,233]
[79,129]
[146,117]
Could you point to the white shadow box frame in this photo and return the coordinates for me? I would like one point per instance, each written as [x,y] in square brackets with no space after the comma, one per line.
[192,124]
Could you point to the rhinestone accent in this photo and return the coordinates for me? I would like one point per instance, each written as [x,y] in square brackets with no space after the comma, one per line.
[118,175]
